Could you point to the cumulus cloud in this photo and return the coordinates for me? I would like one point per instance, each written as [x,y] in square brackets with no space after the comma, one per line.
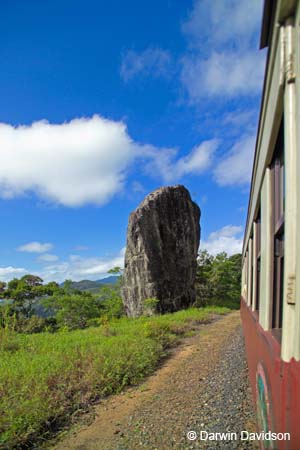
[78,268]
[7,273]
[223,60]
[223,74]
[198,160]
[195,163]
[228,239]
[236,166]
[152,61]
[83,161]
[35,247]
[207,22]
[227,231]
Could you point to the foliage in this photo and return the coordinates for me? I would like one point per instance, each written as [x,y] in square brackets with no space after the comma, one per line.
[20,296]
[150,306]
[7,320]
[2,286]
[112,306]
[94,287]
[110,296]
[33,324]
[73,309]
[32,306]
[116,271]
[218,279]
[45,377]
[203,281]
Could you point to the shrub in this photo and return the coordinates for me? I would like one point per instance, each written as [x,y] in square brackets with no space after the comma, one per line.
[45,377]
[33,324]
[150,306]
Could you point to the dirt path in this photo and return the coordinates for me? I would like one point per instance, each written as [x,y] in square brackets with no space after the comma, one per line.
[203,386]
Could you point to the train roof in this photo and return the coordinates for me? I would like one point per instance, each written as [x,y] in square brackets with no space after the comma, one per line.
[286,8]
[268,14]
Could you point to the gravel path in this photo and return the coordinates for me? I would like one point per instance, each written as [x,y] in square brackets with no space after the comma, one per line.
[202,387]
[225,403]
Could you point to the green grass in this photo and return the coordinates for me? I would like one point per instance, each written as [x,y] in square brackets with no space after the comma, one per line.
[45,377]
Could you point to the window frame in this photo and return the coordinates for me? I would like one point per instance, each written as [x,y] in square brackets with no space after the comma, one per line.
[278,196]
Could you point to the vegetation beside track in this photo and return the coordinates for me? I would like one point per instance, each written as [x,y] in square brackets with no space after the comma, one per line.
[46,377]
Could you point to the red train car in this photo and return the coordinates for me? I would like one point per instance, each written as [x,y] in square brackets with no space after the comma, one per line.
[270,303]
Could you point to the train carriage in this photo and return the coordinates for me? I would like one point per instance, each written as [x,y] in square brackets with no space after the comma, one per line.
[270,303]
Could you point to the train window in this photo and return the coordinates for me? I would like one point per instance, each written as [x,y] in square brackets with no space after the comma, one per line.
[246,276]
[250,269]
[258,251]
[278,231]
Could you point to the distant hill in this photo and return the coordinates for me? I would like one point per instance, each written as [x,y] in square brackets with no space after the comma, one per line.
[109,280]
[93,286]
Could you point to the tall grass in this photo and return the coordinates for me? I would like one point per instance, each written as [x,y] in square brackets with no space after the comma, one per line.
[45,377]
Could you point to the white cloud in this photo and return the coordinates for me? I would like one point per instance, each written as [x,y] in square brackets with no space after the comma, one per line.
[241,117]
[83,161]
[228,239]
[236,166]
[227,231]
[223,74]
[48,257]
[152,61]
[223,22]
[78,268]
[35,247]
[224,60]
[196,162]
[7,273]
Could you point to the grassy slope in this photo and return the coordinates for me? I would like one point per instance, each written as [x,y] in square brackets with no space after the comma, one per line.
[44,377]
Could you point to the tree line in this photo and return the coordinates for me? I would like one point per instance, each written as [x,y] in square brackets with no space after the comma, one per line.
[218,279]
[29,306]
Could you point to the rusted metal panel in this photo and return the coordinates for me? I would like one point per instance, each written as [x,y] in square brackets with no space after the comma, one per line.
[281,379]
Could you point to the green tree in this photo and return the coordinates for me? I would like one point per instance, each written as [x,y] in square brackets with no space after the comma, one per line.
[218,279]
[225,278]
[21,295]
[116,270]
[2,286]
[73,310]
[68,287]
[110,296]
[236,267]
[203,278]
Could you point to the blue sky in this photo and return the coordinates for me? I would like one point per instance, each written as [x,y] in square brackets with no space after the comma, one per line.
[103,102]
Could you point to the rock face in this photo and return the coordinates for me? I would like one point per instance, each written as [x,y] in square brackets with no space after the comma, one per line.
[162,244]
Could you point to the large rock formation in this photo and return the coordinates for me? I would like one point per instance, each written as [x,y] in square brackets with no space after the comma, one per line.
[162,244]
